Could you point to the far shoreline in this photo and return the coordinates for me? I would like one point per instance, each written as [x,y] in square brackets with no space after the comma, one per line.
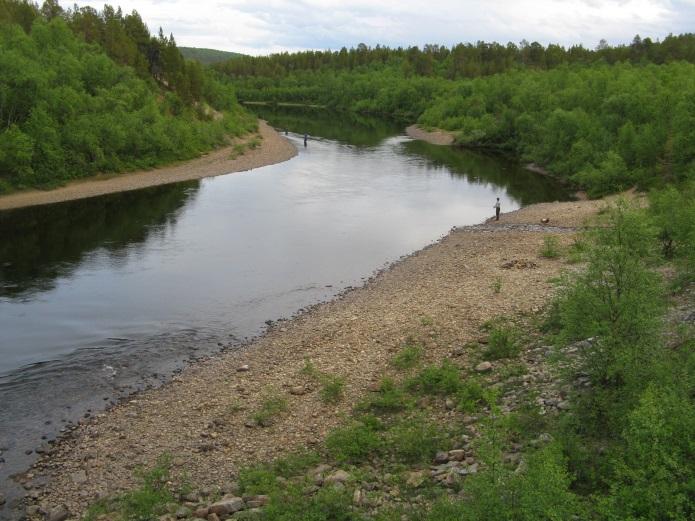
[273,149]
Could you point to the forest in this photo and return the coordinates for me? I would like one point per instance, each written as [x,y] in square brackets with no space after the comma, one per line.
[85,92]
[605,120]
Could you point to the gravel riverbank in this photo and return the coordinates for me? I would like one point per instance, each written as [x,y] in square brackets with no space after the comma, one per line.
[273,149]
[439,296]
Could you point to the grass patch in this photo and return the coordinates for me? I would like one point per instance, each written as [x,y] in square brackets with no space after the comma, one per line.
[332,390]
[503,343]
[443,379]
[355,442]
[254,143]
[427,321]
[472,395]
[389,399]
[414,440]
[238,149]
[147,502]
[408,357]
[551,247]
[270,408]
[496,286]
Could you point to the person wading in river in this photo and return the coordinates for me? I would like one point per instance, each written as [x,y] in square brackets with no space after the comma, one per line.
[497,209]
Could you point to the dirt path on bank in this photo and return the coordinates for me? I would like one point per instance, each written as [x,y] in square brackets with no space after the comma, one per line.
[273,149]
[439,296]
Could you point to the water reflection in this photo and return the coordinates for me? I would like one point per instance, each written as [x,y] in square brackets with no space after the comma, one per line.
[43,243]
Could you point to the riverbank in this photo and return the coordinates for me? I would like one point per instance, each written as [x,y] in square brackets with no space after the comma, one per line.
[439,297]
[273,148]
[434,137]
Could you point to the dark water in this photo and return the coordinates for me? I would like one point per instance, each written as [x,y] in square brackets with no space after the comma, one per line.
[104,296]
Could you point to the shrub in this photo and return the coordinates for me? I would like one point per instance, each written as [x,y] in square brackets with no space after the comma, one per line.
[355,442]
[390,398]
[503,343]
[551,247]
[443,379]
[408,357]
[414,440]
[332,390]
[270,408]
[472,394]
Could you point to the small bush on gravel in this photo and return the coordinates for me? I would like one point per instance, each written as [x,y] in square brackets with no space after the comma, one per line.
[144,503]
[355,442]
[270,408]
[443,379]
[502,343]
[415,440]
[408,357]
[551,247]
[332,390]
[473,394]
[328,504]
[390,398]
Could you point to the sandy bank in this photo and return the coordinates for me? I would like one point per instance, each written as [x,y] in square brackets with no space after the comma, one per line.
[436,137]
[273,149]
[439,296]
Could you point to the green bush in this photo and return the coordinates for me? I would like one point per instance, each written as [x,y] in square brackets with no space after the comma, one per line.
[502,343]
[270,408]
[551,247]
[414,440]
[332,388]
[408,357]
[328,504]
[444,379]
[355,442]
[389,398]
[472,394]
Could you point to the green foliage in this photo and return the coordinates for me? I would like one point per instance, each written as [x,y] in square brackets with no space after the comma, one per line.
[409,356]
[145,503]
[328,504]
[496,285]
[551,247]
[472,394]
[503,343]
[272,406]
[356,441]
[414,440]
[332,388]
[71,109]
[207,56]
[390,398]
[444,379]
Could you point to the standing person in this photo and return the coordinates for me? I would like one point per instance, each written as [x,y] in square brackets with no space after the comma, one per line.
[497,209]
[306,136]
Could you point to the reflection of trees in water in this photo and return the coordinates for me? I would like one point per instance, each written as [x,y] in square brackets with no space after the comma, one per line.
[520,184]
[42,243]
[344,127]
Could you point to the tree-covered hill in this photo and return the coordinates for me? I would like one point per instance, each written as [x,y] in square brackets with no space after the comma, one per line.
[605,119]
[207,56]
[83,92]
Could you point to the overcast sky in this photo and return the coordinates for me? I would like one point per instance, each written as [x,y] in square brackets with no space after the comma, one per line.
[265,26]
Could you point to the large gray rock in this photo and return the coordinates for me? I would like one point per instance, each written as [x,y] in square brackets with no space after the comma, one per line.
[57,514]
[339,476]
[483,367]
[227,506]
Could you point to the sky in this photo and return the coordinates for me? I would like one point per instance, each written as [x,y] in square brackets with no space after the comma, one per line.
[265,26]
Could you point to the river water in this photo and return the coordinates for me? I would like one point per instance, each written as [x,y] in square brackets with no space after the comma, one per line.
[105,296]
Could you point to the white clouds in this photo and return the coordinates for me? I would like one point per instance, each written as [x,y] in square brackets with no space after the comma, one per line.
[273,25]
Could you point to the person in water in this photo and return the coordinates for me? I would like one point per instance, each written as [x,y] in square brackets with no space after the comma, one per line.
[306,137]
[497,209]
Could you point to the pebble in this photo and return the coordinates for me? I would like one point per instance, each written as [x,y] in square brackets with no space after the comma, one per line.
[243,368]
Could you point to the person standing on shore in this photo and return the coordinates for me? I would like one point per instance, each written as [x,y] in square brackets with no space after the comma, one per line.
[497,209]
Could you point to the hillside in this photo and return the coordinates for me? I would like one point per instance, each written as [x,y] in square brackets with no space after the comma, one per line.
[208,56]
[85,92]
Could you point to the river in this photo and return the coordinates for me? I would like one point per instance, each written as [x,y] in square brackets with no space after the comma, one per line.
[105,296]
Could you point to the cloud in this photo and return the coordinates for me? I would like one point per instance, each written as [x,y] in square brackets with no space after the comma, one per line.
[256,27]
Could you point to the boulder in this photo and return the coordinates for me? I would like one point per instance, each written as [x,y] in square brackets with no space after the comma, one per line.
[483,367]
[227,506]
[339,476]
